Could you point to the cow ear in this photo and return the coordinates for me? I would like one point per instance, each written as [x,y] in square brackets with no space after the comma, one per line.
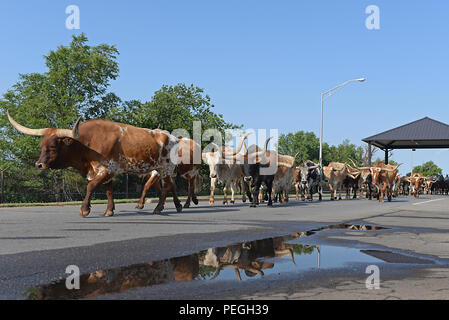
[67,141]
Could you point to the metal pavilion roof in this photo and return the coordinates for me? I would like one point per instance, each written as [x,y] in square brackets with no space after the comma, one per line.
[425,133]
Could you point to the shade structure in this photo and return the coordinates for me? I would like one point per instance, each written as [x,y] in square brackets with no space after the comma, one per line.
[425,133]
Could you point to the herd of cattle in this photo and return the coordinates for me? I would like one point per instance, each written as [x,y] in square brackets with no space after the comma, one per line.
[101,149]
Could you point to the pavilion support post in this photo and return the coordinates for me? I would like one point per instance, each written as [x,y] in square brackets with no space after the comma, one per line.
[386,156]
[370,155]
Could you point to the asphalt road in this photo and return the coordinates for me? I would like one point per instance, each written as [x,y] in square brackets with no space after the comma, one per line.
[38,243]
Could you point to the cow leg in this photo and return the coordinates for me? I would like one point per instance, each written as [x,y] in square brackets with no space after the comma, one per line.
[331,189]
[297,191]
[167,185]
[212,189]
[152,181]
[111,206]
[248,193]
[233,191]
[269,192]
[382,192]
[176,201]
[225,192]
[196,188]
[91,186]
[339,191]
[191,193]
[244,188]
[256,191]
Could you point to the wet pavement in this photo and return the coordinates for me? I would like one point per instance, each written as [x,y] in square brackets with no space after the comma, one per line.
[279,258]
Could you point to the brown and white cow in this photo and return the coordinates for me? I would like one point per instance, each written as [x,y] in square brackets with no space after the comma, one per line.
[416,183]
[283,178]
[428,183]
[223,168]
[384,177]
[335,173]
[101,149]
[188,167]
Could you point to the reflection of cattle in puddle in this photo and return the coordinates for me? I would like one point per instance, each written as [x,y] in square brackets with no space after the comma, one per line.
[121,279]
[247,256]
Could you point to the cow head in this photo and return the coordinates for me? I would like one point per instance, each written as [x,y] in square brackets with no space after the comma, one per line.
[218,157]
[253,162]
[55,143]
[306,170]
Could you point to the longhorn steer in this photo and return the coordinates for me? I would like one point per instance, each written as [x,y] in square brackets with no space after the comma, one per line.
[383,178]
[308,180]
[101,149]
[257,169]
[188,167]
[284,177]
[223,167]
[416,182]
[335,173]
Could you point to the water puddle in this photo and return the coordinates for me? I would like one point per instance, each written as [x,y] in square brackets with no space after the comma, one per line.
[244,261]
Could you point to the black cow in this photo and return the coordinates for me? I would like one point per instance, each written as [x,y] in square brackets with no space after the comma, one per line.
[260,167]
[310,177]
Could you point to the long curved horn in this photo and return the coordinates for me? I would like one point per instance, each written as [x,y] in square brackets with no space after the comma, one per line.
[355,166]
[25,130]
[234,152]
[74,133]
[392,169]
[245,148]
[266,143]
[259,153]
[285,164]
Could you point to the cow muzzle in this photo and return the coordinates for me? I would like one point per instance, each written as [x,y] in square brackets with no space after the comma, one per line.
[212,175]
[248,179]
[41,166]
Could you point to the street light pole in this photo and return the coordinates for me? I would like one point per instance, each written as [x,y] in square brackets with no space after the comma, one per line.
[324,96]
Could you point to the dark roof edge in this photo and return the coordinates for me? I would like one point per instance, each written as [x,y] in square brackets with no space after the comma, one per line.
[371,138]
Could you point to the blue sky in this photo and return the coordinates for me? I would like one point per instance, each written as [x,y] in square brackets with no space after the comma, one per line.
[264,63]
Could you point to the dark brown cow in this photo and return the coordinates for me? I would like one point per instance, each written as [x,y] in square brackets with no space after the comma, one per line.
[101,149]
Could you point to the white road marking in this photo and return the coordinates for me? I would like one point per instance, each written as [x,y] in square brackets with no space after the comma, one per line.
[415,204]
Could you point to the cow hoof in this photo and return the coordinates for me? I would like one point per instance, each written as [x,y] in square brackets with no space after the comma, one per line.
[179,208]
[243,200]
[139,206]
[195,200]
[269,204]
[108,213]
[84,213]
[225,202]
[232,201]
[211,202]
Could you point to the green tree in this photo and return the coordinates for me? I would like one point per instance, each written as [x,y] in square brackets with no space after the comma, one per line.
[428,169]
[74,84]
